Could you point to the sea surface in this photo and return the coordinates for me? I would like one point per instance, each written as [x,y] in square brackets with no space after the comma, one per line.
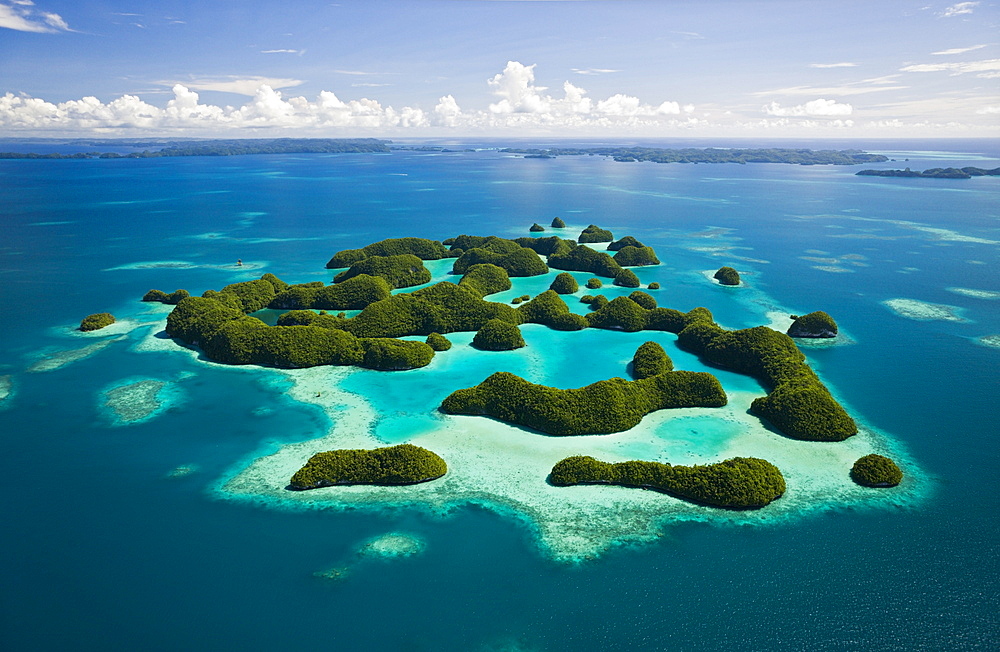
[116,534]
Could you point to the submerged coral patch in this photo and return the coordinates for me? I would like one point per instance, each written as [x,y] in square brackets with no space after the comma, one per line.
[975,294]
[136,401]
[924,311]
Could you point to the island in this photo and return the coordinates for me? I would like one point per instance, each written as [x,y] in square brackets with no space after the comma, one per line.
[594,233]
[713,155]
[564,283]
[96,321]
[727,276]
[815,324]
[557,223]
[933,173]
[395,465]
[737,483]
[215,147]
[876,471]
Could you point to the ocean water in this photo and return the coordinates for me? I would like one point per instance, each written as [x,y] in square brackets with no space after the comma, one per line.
[116,534]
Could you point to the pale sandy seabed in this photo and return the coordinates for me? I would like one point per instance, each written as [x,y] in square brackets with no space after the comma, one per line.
[6,388]
[976,294]
[924,311]
[991,341]
[504,468]
[134,402]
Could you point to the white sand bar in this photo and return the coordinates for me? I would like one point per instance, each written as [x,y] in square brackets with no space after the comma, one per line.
[505,468]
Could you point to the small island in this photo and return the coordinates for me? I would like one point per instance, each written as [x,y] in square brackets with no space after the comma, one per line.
[737,483]
[815,324]
[933,173]
[395,465]
[557,223]
[96,321]
[593,234]
[727,276]
[876,471]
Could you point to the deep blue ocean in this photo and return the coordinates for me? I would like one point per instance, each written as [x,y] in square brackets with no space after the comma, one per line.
[101,549]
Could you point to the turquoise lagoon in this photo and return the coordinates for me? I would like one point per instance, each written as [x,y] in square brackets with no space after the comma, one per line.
[144,500]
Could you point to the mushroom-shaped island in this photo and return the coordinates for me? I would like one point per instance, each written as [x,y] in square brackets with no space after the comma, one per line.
[815,324]
[393,465]
[594,233]
[727,276]
[96,321]
[876,471]
[498,335]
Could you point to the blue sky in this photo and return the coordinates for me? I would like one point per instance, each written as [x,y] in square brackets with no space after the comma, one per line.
[422,68]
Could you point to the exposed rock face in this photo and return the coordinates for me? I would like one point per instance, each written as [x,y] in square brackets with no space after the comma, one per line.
[815,324]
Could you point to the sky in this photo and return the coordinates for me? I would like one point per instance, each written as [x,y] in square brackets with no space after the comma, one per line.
[482,68]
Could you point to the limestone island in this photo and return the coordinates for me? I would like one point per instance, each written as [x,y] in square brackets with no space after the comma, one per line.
[815,324]
[395,465]
[933,173]
[96,321]
[737,483]
[876,471]
[397,332]
[727,276]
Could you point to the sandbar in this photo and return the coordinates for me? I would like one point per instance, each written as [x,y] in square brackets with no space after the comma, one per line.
[504,468]
[976,294]
[52,360]
[924,311]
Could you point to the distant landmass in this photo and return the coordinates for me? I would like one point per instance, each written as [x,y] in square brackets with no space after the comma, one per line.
[154,148]
[220,147]
[934,173]
[712,155]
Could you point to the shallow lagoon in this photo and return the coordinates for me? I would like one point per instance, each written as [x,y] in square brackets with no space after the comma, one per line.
[934,554]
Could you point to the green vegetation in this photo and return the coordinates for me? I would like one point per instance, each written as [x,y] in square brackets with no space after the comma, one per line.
[585,259]
[171,299]
[517,260]
[393,465]
[727,276]
[438,342]
[439,308]
[419,247]
[653,286]
[97,321]
[596,302]
[536,227]
[498,335]
[549,309]
[627,279]
[737,483]
[604,407]
[815,324]
[400,271]
[222,147]
[595,284]
[302,338]
[557,223]
[876,471]
[627,241]
[621,313]
[635,256]
[485,279]
[650,360]
[594,233]
[643,299]
[933,173]
[712,155]
[386,354]
[798,404]
[564,283]
[353,294]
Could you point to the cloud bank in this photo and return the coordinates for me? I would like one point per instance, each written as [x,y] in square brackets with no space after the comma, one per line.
[516,105]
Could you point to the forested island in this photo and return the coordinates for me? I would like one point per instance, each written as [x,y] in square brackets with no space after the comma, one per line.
[710,155]
[219,147]
[221,323]
[156,148]
[933,173]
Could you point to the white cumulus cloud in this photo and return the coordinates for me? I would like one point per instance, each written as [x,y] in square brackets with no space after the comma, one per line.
[815,108]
